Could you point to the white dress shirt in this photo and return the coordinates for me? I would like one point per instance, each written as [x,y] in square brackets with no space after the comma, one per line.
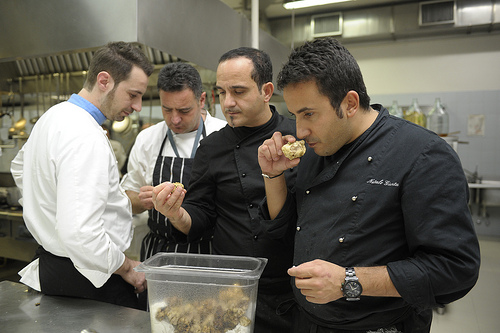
[142,158]
[72,201]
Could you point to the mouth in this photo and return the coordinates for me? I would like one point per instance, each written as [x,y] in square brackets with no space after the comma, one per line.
[231,112]
[177,130]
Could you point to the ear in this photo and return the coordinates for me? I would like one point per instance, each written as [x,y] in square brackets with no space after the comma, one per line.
[351,103]
[203,98]
[268,89]
[104,81]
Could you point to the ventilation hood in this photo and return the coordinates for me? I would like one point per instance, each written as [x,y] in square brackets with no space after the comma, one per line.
[59,36]
[397,21]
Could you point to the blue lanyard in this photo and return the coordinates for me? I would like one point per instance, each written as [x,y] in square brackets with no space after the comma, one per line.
[196,140]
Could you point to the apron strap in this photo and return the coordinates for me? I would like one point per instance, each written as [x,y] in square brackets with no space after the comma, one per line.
[201,129]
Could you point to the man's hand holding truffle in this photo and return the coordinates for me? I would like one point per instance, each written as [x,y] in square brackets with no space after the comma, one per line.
[273,162]
[167,199]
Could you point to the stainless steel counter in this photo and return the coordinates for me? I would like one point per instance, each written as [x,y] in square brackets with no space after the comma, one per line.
[24,311]
[15,240]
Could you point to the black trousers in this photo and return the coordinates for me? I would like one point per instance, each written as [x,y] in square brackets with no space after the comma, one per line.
[59,277]
[415,323]
[272,315]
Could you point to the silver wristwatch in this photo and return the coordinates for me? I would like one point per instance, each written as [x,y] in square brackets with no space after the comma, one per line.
[351,287]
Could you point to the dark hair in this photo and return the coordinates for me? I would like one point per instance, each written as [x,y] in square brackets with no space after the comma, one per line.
[331,66]
[177,76]
[262,66]
[117,58]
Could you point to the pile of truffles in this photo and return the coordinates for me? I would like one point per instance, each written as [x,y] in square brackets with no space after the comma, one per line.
[210,315]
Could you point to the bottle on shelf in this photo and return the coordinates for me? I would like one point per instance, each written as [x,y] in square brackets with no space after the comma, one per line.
[414,114]
[437,119]
[395,110]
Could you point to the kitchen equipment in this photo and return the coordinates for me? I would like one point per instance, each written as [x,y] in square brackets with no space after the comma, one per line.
[437,119]
[35,119]
[452,141]
[10,99]
[21,123]
[10,196]
[3,195]
[13,196]
[26,310]
[122,127]
[396,110]
[415,114]
[200,290]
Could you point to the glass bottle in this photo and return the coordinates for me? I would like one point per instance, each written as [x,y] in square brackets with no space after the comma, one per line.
[437,119]
[414,114]
[395,110]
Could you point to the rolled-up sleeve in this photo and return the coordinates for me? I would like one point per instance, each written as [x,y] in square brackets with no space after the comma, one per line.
[445,256]
[279,228]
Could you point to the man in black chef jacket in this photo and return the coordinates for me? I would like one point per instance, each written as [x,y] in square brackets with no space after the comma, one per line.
[227,186]
[383,233]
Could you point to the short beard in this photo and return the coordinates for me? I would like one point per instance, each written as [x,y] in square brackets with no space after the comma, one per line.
[107,104]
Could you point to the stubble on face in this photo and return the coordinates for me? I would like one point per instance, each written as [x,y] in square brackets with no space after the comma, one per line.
[317,121]
[110,109]
[242,102]
[125,97]
[181,110]
[107,106]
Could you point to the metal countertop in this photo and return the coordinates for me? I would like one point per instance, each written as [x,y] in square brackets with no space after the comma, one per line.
[24,311]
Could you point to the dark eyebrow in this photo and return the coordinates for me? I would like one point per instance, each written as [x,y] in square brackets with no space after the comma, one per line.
[238,87]
[304,109]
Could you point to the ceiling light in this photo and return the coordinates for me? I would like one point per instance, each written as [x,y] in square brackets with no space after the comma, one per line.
[309,3]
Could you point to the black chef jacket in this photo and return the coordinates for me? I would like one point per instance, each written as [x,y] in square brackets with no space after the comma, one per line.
[225,190]
[396,196]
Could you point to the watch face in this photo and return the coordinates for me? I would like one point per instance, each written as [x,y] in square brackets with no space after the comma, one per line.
[352,289]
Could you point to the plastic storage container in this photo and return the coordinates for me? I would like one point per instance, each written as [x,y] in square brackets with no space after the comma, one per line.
[201,292]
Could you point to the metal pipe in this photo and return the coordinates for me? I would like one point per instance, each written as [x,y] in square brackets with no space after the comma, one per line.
[255,24]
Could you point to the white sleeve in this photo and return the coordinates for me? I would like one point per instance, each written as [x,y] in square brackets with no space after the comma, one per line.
[83,175]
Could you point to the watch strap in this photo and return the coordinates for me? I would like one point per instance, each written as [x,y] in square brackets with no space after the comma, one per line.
[351,278]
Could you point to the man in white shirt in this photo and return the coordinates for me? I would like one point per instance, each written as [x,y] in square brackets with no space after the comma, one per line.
[69,179]
[165,152]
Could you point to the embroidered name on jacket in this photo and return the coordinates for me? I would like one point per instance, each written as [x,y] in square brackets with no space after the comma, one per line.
[382,182]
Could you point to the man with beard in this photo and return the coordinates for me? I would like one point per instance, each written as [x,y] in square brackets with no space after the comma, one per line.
[69,180]
[227,186]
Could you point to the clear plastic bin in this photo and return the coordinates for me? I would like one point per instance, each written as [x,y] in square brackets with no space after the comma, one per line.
[202,293]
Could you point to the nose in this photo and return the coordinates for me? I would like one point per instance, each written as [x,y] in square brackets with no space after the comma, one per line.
[176,120]
[137,106]
[228,100]
[302,132]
